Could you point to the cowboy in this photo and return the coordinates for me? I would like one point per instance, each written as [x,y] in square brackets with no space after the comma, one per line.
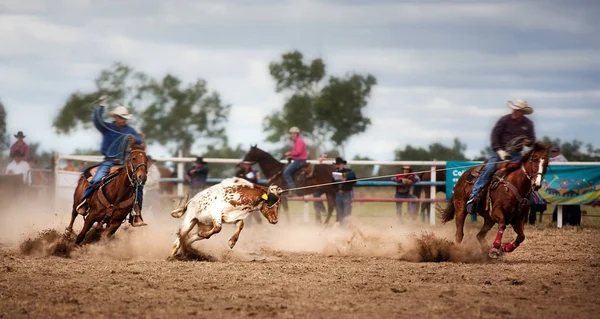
[510,134]
[21,146]
[343,196]
[19,167]
[197,176]
[112,134]
[299,155]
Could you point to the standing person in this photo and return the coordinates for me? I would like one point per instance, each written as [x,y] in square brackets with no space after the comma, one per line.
[197,176]
[299,155]
[19,167]
[152,186]
[21,146]
[406,179]
[510,134]
[82,166]
[113,135]
[343,197]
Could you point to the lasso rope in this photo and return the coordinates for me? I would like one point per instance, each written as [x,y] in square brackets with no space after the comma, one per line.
[393,175]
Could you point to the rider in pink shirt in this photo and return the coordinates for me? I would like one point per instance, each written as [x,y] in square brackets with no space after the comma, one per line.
[299,154]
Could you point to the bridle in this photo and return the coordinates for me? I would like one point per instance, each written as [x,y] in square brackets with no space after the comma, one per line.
[533,174]
[131,175]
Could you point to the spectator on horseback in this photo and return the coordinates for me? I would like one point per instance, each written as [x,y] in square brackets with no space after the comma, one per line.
[299,155]
[115,135]
[510,134]
[197,176]
[405,179]
[20,146]
[343,197]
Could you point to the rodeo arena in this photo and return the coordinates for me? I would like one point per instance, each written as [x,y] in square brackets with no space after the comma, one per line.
[235,248]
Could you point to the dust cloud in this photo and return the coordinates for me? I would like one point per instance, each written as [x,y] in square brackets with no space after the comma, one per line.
[39,231]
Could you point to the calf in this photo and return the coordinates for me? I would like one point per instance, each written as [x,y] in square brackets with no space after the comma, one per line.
[228,202]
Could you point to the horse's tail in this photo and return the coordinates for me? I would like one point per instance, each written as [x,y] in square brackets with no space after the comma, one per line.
[447,214]
[180,210]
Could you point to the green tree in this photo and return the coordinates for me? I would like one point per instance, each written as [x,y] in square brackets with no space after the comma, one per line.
[4,139]
[169,112]
[575,150]
[434,152]
[326,111]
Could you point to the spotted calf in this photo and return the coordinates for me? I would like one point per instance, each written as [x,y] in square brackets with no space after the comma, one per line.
[228,202]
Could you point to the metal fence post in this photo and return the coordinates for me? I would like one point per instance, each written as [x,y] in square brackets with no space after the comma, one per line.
[180,174]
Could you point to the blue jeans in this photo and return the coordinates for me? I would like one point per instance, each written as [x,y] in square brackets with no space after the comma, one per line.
[488,171]
[412,207]
[102,171]
[343,205]
[288,173]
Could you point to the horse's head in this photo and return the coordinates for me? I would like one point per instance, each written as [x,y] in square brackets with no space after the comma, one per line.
[270,207]
[254,155]
[535,164]
[137,165]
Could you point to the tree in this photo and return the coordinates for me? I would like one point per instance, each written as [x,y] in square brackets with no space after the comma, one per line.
[168,111]
[328,112]
[435,152]
[4,139]
[225,151]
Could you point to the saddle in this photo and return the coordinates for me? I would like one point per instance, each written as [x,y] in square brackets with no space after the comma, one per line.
[502,169]
[91,171]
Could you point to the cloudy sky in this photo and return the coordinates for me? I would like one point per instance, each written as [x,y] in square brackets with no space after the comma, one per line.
[445,69]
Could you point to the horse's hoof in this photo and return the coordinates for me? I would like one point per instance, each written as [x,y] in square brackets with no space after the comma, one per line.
[494,253]
[231,244]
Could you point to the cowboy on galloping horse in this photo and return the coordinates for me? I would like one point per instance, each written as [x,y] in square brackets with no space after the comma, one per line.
[510,133]
[112,136]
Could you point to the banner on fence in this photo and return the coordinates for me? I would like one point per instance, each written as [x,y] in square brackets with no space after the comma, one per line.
[570,185]
[565,185]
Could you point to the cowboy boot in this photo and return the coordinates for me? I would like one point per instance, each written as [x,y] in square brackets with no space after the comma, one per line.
[137,218]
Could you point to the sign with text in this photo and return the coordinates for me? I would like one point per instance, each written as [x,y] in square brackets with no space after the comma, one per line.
[453,172]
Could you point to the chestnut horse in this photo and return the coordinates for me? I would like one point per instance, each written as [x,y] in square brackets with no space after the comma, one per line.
[506,199]
[273,170]
[115,196]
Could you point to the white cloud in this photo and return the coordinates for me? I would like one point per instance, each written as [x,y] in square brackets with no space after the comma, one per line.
[429,90]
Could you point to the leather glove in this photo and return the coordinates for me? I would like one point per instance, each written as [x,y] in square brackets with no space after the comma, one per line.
[503,154]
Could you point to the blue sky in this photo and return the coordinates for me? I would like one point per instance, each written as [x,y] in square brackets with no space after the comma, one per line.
[444,69]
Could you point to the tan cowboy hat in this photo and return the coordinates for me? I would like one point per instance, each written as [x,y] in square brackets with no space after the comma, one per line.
[121,111]
[520,105]
[294,129]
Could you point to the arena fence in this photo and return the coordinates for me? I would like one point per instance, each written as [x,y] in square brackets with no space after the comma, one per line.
[65,181]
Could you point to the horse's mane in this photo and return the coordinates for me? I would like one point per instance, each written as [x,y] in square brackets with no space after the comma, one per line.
[538,146]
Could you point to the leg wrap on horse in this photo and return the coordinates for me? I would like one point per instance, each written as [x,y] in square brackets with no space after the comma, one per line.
[498,239]
[509,247]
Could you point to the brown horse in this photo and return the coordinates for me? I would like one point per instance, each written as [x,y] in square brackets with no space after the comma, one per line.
[305,176]
[506,199]
[114,198]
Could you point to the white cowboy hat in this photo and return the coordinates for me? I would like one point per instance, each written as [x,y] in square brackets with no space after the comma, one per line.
[295,129]
[520,105]
[121,111]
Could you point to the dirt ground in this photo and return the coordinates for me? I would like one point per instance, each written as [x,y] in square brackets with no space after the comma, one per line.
[374,269]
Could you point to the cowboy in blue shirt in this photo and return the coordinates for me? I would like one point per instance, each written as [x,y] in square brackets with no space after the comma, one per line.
[112,133]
